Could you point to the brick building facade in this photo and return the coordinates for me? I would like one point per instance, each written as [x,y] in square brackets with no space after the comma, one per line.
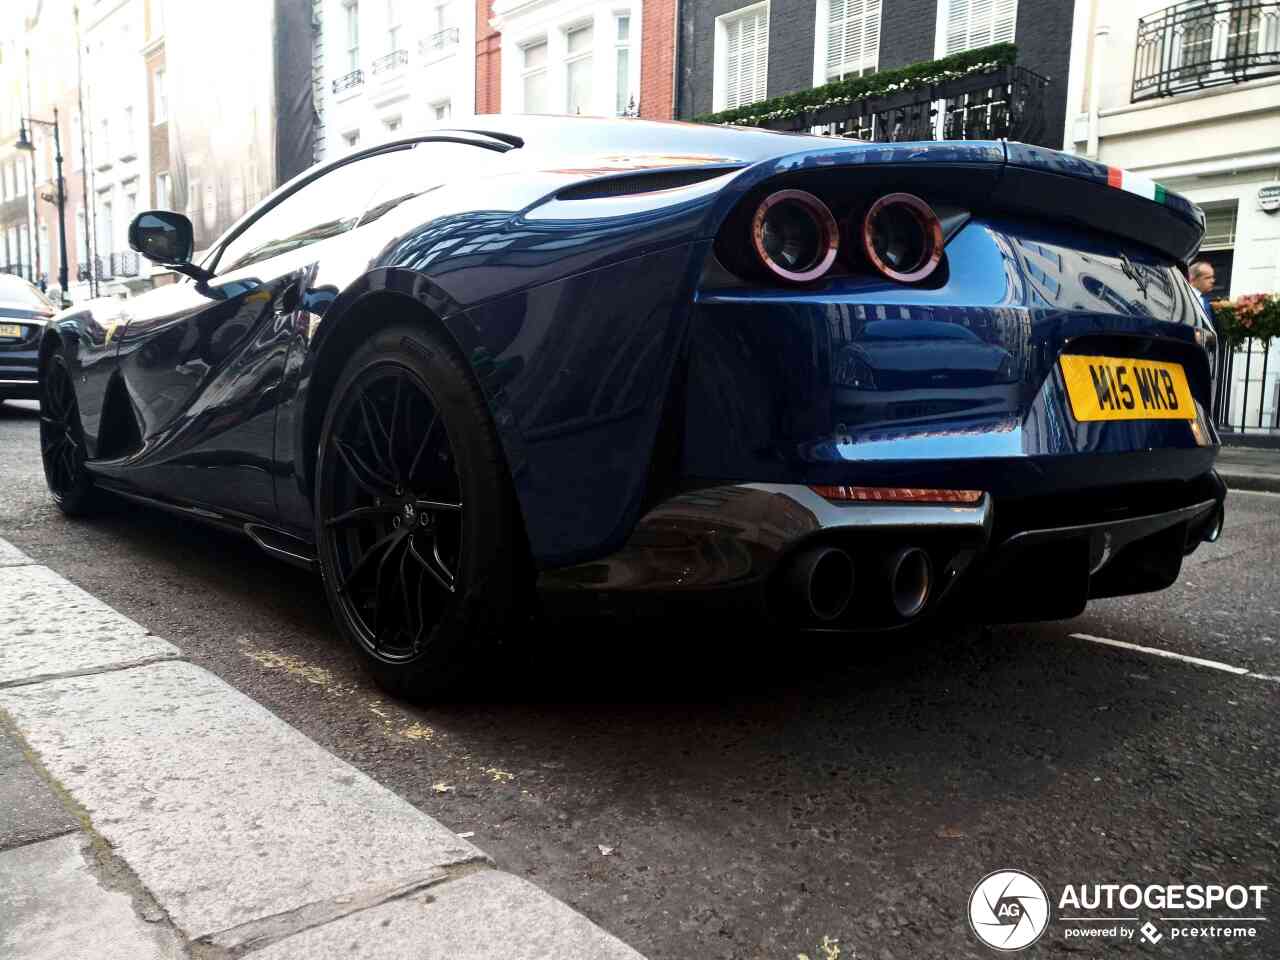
[800,49]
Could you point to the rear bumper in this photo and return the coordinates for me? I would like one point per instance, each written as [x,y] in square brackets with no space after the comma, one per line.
[17,387]
[744,537]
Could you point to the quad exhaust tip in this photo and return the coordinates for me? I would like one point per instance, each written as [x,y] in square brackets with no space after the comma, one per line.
[910,575]
[823,578]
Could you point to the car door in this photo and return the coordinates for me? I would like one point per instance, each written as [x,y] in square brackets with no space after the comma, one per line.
[202,362]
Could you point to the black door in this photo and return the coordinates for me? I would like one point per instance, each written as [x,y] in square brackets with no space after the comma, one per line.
[202,362]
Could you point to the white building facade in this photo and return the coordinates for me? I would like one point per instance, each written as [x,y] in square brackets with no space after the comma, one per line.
[386,67]
[570,56]
[1189,95]
[117,118]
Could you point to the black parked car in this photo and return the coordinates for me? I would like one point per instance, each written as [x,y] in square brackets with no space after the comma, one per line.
[23,313]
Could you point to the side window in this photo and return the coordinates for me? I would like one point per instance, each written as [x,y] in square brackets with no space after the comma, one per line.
[323,208]
[429,165]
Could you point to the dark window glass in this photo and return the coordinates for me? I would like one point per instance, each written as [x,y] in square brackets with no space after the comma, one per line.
[429,165]
[324,208]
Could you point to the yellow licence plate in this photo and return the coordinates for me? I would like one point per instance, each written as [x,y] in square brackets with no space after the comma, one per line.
[10,330]
[1121,388]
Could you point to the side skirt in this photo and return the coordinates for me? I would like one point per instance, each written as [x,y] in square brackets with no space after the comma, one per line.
[271,540]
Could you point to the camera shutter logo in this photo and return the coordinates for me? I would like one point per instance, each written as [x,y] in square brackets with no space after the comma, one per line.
[1008,910]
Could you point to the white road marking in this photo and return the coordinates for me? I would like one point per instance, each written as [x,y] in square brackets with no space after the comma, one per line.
[1254,493]
[1170,655]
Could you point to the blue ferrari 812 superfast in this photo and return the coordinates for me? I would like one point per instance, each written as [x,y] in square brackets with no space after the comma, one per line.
[848,386]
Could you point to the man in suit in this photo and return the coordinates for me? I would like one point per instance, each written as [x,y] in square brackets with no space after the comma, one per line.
[1203,279]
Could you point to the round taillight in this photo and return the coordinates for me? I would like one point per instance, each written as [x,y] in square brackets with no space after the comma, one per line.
[795,236]
[902,237]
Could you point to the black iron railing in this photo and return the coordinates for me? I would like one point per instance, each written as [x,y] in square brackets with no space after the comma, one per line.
[18,270]
[82,271]
[1253,406]
[102,267]
[1005,102]
[440,40]
[393,60]
[1205,43]
[352,79]
[124,264]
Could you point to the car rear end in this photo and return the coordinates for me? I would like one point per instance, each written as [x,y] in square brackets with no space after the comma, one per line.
[965,373]
[24,310]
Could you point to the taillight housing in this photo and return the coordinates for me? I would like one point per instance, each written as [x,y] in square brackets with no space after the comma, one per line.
[794,236]
[902,237]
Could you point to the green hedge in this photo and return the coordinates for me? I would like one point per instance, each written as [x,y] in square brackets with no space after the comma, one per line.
[869,85]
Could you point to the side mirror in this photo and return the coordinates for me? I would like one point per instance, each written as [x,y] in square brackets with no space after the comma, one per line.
[166,238]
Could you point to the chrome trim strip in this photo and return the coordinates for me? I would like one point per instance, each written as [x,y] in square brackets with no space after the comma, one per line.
[19,383]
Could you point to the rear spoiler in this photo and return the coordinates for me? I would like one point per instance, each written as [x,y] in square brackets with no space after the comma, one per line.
[1063,187]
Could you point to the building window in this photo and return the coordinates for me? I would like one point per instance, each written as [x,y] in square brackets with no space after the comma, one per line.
[577,65]
[351,138]
[352,12]
[163,191]
[534,76]
[105,226]
[130,206]
[442,110]
[393,25]
[1219,225]
[969,24]
[105,142]
[127,146]
[82,238]
[741,57]
[159,105]
[624,104]
[852,37]
[392,124]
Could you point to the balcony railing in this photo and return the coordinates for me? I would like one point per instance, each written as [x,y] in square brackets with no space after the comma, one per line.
[1007,101]
[438,41]
[1205,43]
[392,61]
[124,264]
[352,79]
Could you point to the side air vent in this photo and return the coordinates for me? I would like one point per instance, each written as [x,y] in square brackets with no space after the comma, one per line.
[626,186]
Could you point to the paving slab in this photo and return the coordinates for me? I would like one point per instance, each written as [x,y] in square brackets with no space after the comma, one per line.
[52,907]
[11,556]
[225,813]
[478,917]
[29,809]
[50,627]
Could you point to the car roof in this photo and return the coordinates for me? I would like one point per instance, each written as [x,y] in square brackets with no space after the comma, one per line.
[17,294]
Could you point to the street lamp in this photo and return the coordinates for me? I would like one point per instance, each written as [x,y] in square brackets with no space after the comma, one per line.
[24,143]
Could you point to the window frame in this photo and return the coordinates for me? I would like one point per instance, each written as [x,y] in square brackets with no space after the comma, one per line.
[622,93]
[351,11]
[821,43]
[159,98]
[940,35]
[538,40]
[218,247]
[571,59]
[720,55]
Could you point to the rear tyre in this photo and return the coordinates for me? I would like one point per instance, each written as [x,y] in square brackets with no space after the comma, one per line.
[62,447]
[419,539]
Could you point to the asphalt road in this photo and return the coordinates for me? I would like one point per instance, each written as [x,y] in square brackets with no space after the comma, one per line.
[756,792]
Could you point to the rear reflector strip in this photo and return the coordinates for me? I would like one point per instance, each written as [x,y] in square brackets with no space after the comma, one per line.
[1132,183]
[898,494]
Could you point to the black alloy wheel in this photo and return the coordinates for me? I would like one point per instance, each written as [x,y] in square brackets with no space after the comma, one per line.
[62,449]
[414,516]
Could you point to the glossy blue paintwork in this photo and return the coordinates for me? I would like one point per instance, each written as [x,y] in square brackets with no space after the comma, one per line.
[620,363]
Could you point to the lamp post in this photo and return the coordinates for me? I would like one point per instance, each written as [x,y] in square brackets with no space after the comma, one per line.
[24,143]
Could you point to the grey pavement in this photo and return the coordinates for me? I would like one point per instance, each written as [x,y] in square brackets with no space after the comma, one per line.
[239,829]
[1250,468]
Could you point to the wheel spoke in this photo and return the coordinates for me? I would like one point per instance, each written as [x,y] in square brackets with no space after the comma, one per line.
[361,513]
[379,608]
[404,594]
[422,448]
[363,563]
[368,479]
[366,405]
[438,506]
[391,434]
[438,573]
